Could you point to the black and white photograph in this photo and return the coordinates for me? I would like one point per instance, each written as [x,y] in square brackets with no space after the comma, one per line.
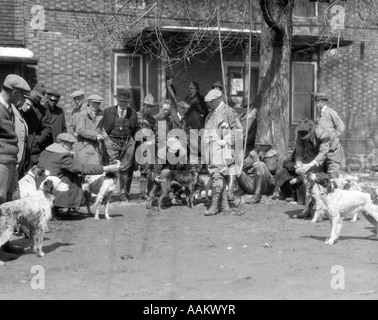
[188,155]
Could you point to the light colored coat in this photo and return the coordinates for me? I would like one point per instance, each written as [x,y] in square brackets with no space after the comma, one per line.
[223,124]
[22,132]
[89,150]
[331,121]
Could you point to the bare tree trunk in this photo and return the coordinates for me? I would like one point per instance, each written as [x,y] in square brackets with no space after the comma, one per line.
[274,84]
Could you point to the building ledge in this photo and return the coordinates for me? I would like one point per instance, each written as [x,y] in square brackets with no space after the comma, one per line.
[17,55]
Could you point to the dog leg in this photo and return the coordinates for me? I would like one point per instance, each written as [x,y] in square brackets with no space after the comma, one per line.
[38,239]
[107,217]
[88,197]
[335,222]
[371,215]
[6,235]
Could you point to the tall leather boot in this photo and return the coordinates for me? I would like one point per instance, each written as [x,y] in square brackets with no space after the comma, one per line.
[225,207]
[216,197]
[143,187]
[231,187]
[124,196]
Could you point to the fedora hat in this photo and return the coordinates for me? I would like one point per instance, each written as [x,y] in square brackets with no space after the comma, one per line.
[123,94]
[149,99]
[320,96]
[306,128]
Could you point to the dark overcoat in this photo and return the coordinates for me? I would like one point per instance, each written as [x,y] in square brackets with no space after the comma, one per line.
[62,164]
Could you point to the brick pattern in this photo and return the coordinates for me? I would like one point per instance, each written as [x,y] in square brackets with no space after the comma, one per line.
[11,23]
[350,79]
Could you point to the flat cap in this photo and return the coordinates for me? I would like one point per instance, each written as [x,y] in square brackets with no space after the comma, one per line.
[39,90]
[213,94]
[217,85]
[54,94]
[306,128]
[95,98]
[321,96]
[65,137]
[77,93]
[15,82]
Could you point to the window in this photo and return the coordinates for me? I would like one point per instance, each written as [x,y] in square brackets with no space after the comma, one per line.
[237,81]
[303,89]
[304,8]
[128,73]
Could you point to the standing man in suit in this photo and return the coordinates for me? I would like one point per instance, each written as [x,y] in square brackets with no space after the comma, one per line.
[12,94]
[329,119]
[119,123]
[58,120]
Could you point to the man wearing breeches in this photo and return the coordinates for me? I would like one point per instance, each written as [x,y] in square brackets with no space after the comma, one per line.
[223,150]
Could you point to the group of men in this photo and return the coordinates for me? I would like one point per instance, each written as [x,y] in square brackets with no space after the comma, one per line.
[140,140]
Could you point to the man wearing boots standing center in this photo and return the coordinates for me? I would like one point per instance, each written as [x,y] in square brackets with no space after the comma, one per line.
[119,123]
[223,152]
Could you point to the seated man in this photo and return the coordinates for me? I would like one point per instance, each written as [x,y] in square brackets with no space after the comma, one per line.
[60,161]
[256,178]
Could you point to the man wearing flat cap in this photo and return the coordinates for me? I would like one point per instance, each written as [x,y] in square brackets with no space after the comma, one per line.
[58,120]
[38,119]
[119,123]
[222,152]
[316,149]
[91,145]
[78,100]
[59,159]
[12,95]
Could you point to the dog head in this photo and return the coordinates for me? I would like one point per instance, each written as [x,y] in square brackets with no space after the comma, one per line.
[39,171]
[57,184]
[323,180]
[47,186]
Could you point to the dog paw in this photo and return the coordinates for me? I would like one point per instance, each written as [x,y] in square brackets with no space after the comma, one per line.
[97,218]
[330,242]
[314,221]
[41,254]
[108,218]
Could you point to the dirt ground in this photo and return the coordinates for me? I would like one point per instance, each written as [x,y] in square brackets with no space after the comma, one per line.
[181,254]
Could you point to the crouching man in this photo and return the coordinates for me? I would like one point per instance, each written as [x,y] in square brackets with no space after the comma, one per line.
[257,178]
[59,159]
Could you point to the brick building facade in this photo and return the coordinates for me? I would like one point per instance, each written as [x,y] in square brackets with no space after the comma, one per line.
[349,76]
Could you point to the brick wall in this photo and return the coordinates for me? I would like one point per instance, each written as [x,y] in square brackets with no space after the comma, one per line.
[60,68]
[349,77]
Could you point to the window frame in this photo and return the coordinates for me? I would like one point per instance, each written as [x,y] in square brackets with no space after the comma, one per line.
[128,86]
[313,111]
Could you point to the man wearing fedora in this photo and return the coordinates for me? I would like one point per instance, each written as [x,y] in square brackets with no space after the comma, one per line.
[119,125]
[90,146]
[146,131]
[329,119]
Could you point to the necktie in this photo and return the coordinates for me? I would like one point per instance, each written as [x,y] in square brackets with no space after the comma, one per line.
[11,113]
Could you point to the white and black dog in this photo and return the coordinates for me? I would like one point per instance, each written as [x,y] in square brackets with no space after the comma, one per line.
[339,204]
[28,184]
[31,212]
